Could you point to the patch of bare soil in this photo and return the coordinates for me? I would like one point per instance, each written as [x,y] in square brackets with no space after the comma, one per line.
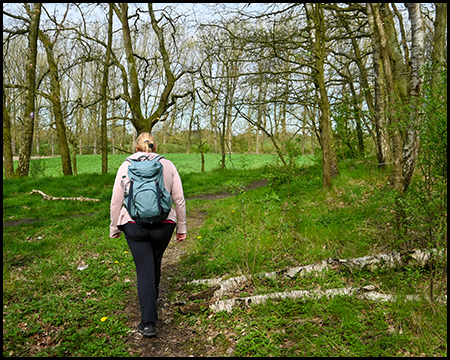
[173,339]
[27,221]
[18,222]
[224,194]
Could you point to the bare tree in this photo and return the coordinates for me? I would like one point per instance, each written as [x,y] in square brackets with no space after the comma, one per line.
[382,32]
[133,98]
[55,99]
[411,142]
[103,93]
[330,166]
[30,87]
[24,159]
[383,149]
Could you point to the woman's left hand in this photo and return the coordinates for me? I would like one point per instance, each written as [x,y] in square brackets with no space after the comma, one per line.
[181,237]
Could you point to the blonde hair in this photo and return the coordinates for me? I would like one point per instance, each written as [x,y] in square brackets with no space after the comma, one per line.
[145,142]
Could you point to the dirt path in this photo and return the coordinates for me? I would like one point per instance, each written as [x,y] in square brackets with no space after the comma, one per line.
[173,340]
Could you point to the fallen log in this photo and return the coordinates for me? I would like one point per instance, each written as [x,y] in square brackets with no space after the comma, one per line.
[365,292]
[393,259]
[47,197]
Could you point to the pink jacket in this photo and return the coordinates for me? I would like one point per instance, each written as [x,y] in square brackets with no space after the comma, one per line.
[172,183]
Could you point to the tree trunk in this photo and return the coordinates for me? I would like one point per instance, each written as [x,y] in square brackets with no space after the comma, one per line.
[411,144]
[55,99]
[223,287]
[261,98]
[382,138]
[397,174]
[358,120]
[191,123]
[222,132]
[7,147]
[329,161]
[438,55]
[229,121]
[53,144]
[103,91]
[249,128]
[28,117]
[170,80]
[74,156]
[399,67]
[380,102]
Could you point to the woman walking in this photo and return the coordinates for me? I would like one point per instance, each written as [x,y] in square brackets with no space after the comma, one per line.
[148,242]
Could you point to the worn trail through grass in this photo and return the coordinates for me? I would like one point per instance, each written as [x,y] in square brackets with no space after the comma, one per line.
[173,339]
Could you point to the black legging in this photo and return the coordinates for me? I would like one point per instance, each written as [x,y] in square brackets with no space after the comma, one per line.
[147,244]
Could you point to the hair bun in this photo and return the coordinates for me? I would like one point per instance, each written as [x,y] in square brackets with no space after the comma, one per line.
[145,142]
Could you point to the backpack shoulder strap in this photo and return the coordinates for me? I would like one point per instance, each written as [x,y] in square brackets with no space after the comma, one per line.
[144,157]
[140,158]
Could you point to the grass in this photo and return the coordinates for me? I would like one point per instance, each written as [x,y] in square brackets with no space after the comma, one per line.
[45,295]
[283,226]
[295,222]
[325,327]
[50,308]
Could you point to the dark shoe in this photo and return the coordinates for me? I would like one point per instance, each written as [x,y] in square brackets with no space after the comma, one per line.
[148,330]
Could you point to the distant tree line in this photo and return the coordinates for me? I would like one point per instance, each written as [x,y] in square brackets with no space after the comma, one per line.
[347,79]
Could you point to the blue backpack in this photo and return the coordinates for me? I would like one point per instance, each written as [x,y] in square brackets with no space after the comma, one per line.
[147,201]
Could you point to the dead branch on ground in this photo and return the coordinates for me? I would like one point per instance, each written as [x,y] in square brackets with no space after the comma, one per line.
[47,197]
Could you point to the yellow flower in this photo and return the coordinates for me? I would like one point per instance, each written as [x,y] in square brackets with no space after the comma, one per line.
[116,262]
[103,318]
[199,237]
[125,252]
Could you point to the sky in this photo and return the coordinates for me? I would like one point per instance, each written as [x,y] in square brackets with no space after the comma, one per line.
[195,12]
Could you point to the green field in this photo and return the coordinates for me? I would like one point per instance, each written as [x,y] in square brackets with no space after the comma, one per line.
[186,163]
